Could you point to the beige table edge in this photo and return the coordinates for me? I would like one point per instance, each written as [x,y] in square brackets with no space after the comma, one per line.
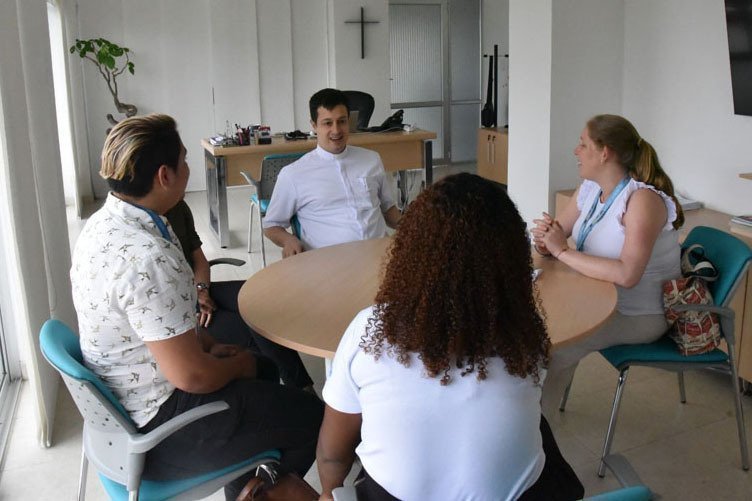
[399,151]
[278,300]
[281,145]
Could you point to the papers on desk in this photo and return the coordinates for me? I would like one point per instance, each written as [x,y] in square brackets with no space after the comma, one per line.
[220,140]
[741,225]
[743,220]
[688,203]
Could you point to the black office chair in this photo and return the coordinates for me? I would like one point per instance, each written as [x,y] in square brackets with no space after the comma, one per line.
[361,102]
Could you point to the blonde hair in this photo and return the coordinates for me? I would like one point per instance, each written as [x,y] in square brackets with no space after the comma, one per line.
[634,154]
[135,148]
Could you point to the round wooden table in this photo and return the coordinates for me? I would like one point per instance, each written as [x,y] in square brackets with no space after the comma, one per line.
[306,302]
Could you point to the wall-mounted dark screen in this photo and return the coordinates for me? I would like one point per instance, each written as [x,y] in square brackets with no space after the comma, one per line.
[739,27]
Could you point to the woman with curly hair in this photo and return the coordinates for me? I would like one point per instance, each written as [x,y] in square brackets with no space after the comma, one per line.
[438,384]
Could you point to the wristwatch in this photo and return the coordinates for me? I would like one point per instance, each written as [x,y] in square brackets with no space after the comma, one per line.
[201,286]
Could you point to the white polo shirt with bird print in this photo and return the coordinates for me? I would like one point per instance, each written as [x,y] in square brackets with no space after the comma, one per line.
[130,285]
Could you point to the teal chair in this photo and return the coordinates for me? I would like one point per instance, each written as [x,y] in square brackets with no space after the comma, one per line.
[110,439]
[732,259]
[632,488]
[271,165]
[634,493]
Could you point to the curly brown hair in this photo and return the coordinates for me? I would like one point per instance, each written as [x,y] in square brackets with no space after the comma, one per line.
[457,286]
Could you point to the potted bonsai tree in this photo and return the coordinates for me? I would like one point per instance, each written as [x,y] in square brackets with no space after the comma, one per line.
[112,61]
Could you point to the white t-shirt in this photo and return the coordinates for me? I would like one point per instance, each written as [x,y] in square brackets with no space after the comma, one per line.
[130,285]
[337,198]
[607,239]
[469,440]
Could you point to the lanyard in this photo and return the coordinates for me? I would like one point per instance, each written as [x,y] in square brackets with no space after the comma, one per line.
[161,226]
[589,223]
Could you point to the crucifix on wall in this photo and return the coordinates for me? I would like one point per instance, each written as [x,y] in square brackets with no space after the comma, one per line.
[362,22]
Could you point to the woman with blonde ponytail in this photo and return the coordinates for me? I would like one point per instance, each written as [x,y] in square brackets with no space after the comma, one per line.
[641,162]
[623,219]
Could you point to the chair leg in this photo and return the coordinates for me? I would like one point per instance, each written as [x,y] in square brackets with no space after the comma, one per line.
[250,225]
[612,422]
[682,391]
[261,237]
[82,475]
[739,413]
[565,397]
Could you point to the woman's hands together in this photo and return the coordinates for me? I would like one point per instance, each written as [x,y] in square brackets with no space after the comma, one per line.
[548,236]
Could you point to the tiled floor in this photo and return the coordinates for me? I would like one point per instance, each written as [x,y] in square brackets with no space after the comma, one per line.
[682,452]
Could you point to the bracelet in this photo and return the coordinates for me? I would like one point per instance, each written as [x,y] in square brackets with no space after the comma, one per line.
[547,253]
[562,251]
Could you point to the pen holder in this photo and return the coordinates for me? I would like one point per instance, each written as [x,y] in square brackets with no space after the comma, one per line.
[244,136]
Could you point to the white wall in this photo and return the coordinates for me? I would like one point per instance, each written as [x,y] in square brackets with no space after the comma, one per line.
[565,66]
[529,104]
[273,21]
[195,61]
[242,61]
[349,71]
[95,19]
[570,59]
[309,53]
[663,65]
[586,77]
[677,92]
[229,85]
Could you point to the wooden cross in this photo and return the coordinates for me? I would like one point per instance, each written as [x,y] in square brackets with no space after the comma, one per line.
[362,22]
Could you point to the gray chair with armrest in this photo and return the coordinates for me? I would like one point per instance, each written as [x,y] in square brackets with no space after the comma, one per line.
[226,260]
[271,166]
[111,440]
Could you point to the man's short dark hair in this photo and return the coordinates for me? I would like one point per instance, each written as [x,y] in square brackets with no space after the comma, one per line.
[135,149]
[329,99]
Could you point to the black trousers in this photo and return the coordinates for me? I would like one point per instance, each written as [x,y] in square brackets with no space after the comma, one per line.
[227,326]
[557,481]
[263,415]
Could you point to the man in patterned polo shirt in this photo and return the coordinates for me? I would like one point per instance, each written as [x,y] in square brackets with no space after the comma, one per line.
[135,297]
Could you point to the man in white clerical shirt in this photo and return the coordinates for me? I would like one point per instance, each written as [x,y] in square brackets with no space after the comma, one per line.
[339,193]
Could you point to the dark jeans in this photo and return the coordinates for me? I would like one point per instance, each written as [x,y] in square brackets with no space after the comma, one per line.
[557,481]
[263,415]
[227,326]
